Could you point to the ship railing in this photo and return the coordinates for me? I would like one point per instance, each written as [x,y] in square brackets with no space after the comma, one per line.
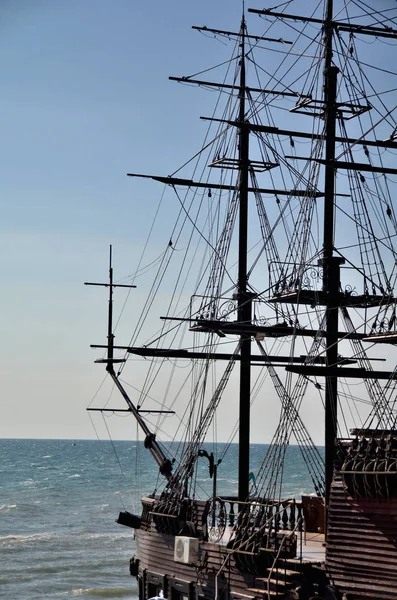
[262,536]
[284,514]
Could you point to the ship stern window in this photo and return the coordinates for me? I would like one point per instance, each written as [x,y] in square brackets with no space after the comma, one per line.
[180,590]
[154,585]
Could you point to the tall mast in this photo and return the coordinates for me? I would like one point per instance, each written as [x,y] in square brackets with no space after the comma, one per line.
[110,311]
[330,263]
[244,298]
[151,443]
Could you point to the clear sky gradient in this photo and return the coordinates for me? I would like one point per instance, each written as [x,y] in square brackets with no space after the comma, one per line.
[85,98]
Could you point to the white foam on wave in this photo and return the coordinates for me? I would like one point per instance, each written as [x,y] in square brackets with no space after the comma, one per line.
[50,536]
[22,538]
[102,592]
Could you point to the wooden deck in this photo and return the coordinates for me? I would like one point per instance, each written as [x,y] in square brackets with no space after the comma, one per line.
[313,547]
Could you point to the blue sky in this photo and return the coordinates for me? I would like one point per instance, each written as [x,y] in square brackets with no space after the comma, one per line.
[85,99]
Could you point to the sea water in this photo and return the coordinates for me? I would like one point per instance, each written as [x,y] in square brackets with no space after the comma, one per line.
[59,500]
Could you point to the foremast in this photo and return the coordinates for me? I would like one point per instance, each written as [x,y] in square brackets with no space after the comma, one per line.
[164,464]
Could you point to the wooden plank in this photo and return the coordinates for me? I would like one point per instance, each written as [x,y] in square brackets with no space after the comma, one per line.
[361,545]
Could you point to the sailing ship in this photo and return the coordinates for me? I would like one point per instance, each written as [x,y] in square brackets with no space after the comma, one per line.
[274,288]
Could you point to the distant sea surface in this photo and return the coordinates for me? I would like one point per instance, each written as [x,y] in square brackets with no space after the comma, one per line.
[58,503]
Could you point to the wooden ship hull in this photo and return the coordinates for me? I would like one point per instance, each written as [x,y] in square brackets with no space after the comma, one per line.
[361,545]
[356,559]
[215,569]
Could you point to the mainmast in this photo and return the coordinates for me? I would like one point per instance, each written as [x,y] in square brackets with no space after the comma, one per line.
[332,297]
[330,263]
[244,298]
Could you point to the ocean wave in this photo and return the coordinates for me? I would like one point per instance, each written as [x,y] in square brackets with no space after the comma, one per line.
[22,506]
[23,538]
[33,571]
[103,592]
[7,507]
[50,536]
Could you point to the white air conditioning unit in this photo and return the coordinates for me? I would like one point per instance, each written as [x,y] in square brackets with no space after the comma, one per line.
[186,549]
